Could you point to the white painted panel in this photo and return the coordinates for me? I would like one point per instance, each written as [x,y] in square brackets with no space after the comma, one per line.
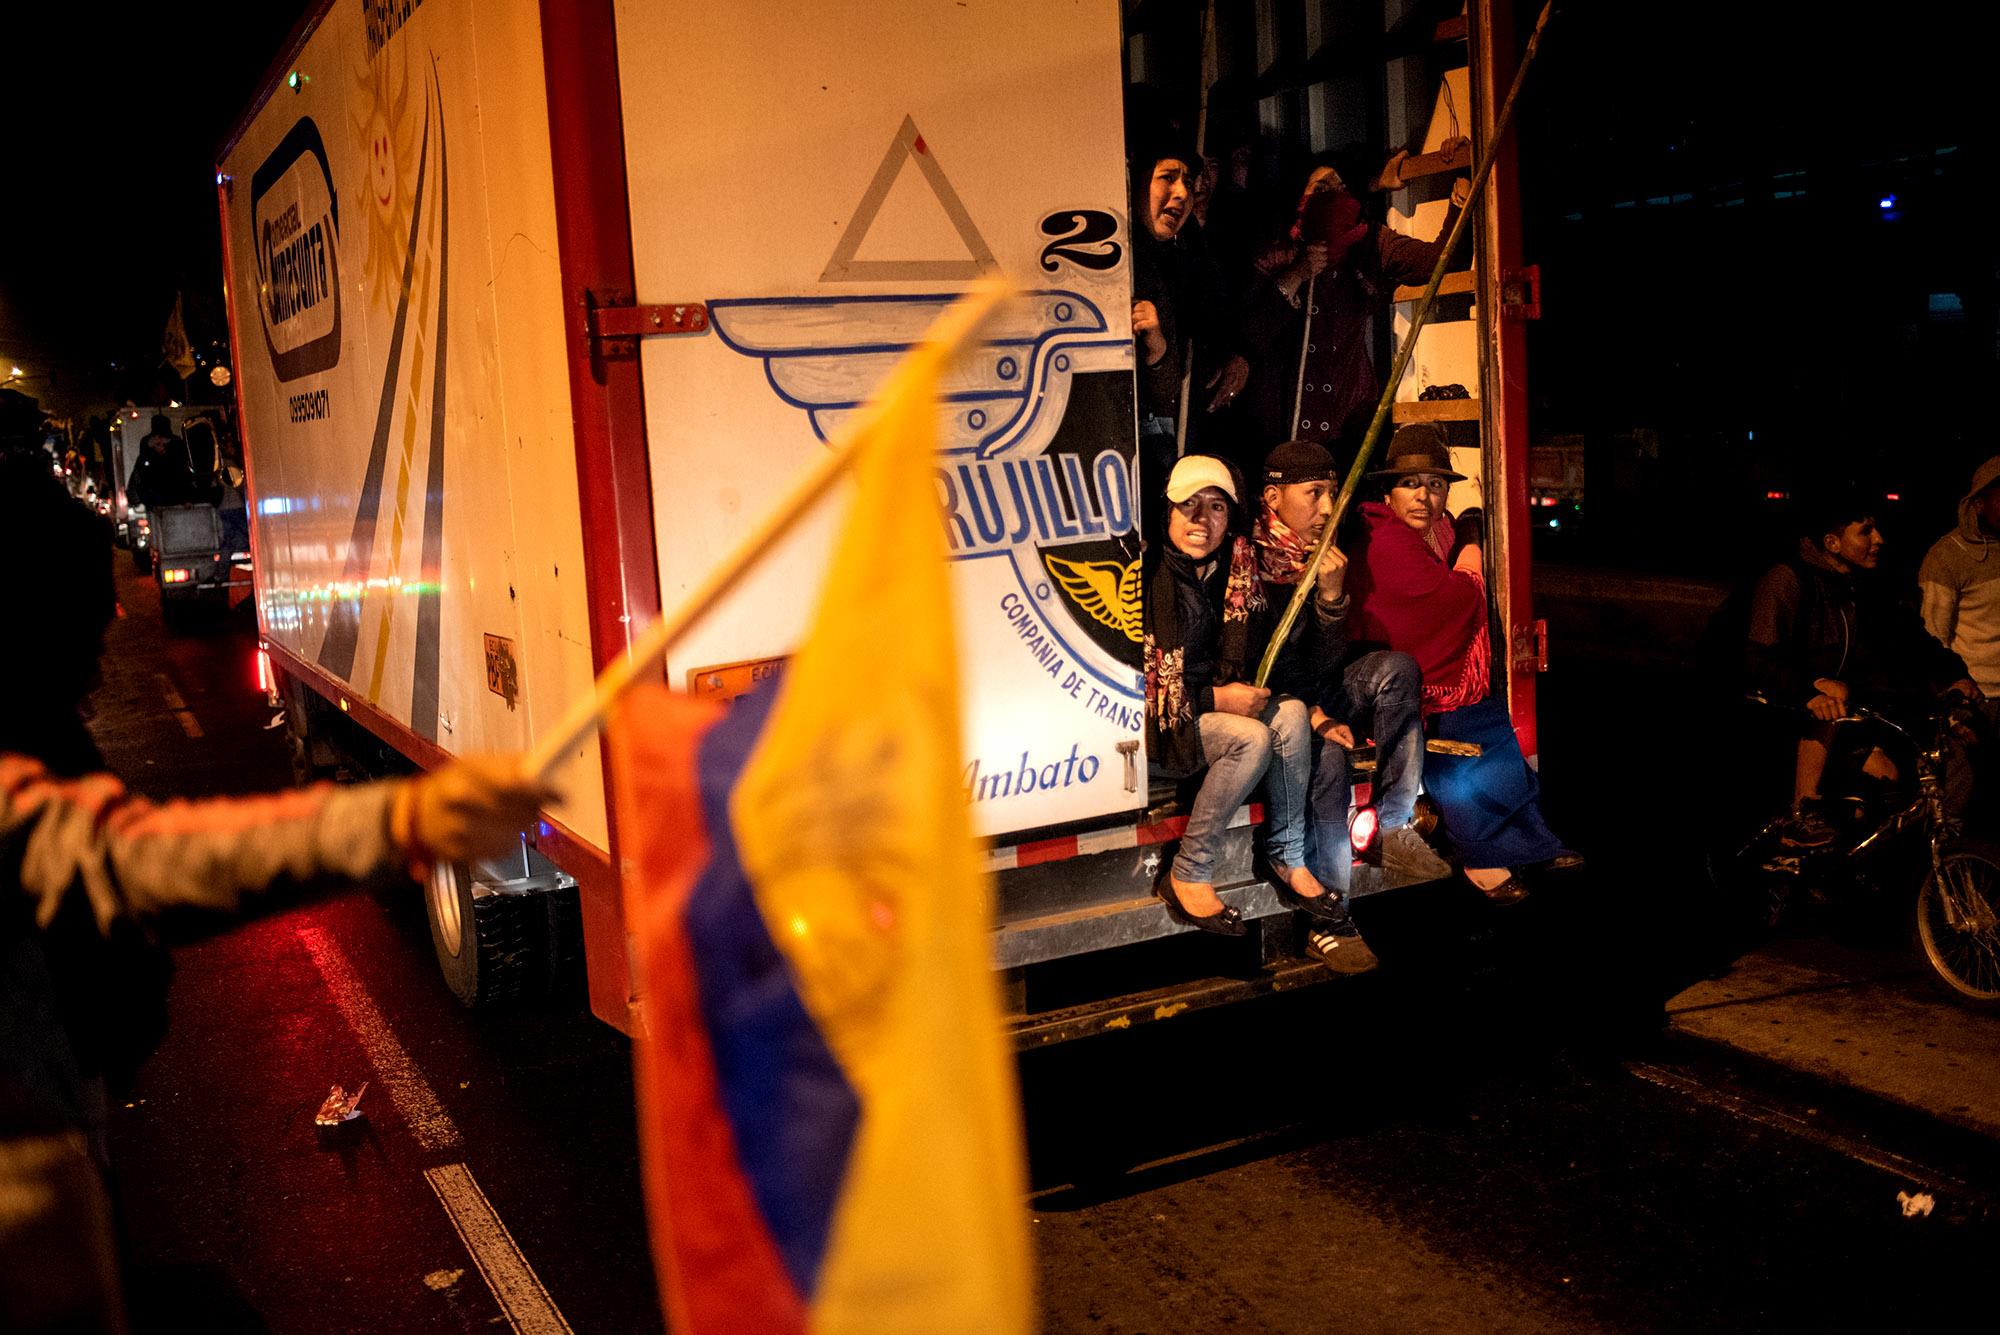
[433,126]
[827,176]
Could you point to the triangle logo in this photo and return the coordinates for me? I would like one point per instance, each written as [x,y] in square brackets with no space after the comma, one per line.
[909,146]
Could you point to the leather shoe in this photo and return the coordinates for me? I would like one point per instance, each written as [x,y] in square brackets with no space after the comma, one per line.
[1326,905]
[1226,923]
[1506,894]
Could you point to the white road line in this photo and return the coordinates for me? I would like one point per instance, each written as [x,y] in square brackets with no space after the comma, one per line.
[427,1119]
[1777,1119]
[513,1281]
[168,693]
[515,1285]
[178,705]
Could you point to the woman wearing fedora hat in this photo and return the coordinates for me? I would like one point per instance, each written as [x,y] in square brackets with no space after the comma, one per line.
[1201,587]
[1418,585]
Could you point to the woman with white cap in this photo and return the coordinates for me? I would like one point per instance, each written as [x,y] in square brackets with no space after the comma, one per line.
[1200,714]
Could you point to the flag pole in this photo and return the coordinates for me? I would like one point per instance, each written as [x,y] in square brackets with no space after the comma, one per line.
[951,333]
[1386,403]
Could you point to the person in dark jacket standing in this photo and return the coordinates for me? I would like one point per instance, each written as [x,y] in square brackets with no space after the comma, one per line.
[89,874]
[1343,272]
[1178,304]
[1825,635]
[163,475]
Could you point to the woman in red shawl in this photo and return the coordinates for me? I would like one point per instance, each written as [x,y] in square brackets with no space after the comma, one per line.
[1419,587]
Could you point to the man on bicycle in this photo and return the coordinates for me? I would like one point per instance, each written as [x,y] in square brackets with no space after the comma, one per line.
[1826,636]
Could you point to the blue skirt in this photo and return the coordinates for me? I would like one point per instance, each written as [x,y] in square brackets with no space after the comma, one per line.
[1491,802]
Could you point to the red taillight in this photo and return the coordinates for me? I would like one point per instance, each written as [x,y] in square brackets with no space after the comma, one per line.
[176,576]
[1361,830]
[264,671]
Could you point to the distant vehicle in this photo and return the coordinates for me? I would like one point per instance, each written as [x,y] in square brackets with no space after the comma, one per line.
[201,431]
[192,563]
[1555,482]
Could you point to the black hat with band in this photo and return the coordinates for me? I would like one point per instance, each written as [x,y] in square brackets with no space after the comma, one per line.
[1417,448]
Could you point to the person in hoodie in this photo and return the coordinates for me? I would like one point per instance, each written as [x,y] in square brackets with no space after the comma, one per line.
[1960,580]
[1418,581]
[1825,635]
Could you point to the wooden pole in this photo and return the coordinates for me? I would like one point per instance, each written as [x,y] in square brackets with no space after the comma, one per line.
[1386,403]
[948,337]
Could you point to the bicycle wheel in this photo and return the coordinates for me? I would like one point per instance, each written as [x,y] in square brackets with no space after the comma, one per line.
[1958,924]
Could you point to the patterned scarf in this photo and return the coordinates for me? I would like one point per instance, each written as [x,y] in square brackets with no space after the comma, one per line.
[1170,710]
[1281,553]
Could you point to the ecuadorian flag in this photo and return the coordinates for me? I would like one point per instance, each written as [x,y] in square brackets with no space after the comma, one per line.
[827,1113]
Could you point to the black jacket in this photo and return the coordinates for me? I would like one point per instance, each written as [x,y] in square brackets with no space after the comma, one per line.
[1308,667]
[1810,619]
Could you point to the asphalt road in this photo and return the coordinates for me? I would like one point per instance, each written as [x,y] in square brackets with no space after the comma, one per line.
[1490,1134]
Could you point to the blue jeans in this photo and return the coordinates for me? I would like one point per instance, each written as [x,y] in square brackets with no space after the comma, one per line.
[1276,747]
[1380,695]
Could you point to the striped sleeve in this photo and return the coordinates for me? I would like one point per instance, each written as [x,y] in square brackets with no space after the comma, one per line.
[138,859]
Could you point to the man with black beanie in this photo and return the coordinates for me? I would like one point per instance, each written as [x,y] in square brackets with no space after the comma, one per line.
[1378,691]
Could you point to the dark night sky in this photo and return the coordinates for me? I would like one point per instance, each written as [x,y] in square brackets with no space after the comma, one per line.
[111,117]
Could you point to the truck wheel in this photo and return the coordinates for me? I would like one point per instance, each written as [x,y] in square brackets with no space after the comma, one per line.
[488,945]
[142,559]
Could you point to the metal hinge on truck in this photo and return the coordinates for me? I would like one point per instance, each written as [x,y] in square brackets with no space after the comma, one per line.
[614,324]
[1531,646]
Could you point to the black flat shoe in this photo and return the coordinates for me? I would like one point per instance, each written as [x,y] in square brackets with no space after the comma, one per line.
[1226,923]
[1325,906]
[1506,894]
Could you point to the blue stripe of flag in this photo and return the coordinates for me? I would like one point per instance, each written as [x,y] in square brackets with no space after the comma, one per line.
[792,1110]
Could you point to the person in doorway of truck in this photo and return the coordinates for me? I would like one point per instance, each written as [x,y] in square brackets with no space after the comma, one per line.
[1826,635]
[231,500]
[1318,305]
[1419,587]
[1201,716]
[163,475]
[1178,303]
[1375,691]
[89,878]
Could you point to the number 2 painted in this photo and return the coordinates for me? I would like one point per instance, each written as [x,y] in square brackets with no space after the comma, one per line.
[1083,237]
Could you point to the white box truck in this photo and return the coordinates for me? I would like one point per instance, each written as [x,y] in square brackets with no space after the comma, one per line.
[534,304]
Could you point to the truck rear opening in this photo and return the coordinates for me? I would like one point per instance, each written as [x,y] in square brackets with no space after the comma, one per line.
[529,311]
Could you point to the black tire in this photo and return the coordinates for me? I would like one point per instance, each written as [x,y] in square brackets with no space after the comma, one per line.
[490,947]
[1964,957]
[142,559]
